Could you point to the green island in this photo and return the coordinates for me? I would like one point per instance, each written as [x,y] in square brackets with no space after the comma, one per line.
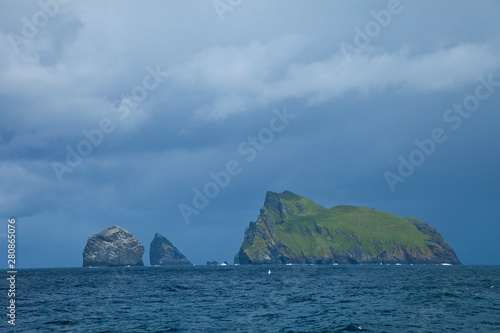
[292,229]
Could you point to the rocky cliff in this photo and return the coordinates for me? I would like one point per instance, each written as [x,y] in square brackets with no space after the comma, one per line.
[293,229]
[164,253]
[113,247]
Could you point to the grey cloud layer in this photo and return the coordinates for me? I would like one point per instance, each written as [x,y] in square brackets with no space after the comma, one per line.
[224,79]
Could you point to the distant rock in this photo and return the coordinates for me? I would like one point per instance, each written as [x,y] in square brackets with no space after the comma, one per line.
[212,263]
[164,253]
[113,247]
[294,230]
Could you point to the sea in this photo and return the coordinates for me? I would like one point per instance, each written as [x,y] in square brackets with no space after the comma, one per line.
[296,298]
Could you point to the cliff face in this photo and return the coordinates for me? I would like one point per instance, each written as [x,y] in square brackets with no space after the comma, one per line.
[113,247]
[293,229]
[162,252]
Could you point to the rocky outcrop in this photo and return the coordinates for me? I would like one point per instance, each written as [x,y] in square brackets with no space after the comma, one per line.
[113,247]
[439,247]
[164,253]
[293,229]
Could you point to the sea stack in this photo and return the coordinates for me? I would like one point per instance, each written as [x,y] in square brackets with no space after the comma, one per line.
[164,253]
[294,230]
[113,247]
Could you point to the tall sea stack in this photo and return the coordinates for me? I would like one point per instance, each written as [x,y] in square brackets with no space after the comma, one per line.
[164,253]
[113,247]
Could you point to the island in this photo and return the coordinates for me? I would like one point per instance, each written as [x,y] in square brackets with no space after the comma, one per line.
[292,229]
[113,247]
[164,253]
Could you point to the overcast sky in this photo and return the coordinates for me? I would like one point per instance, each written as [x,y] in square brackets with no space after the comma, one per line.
[124,112]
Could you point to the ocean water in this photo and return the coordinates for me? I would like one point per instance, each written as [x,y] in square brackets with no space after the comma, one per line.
[248,299]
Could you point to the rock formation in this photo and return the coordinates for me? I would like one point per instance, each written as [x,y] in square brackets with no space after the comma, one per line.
[163,253]
[293,229]
[113,247]
[212,263]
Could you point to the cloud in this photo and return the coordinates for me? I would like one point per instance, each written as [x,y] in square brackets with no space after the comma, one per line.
[240,79]
[224,80]
[235,79]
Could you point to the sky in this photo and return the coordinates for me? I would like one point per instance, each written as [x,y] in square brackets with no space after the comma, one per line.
[177,117]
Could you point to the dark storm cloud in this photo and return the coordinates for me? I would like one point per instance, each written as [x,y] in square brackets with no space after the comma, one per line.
[216,85]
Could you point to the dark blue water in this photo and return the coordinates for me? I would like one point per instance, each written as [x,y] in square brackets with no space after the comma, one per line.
[247,299]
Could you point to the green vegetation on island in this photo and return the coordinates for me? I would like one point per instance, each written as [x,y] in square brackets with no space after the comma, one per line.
[293,229]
